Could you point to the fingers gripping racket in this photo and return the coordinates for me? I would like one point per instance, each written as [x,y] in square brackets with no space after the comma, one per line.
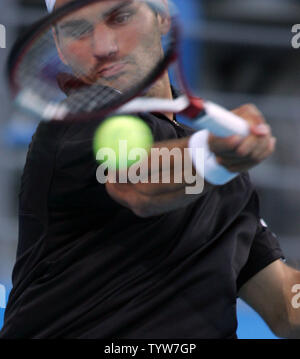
[92,58]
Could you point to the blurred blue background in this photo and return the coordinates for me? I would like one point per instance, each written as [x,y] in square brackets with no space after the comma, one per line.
[236,51]
[250,324]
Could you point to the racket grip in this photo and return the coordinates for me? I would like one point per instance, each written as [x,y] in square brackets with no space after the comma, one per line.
[221,122]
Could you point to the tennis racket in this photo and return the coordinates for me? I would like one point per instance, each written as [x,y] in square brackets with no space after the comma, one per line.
[94,58]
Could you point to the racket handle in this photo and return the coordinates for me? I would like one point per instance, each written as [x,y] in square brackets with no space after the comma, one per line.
[221,122]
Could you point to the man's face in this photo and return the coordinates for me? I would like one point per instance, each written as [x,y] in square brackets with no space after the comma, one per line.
[113,43]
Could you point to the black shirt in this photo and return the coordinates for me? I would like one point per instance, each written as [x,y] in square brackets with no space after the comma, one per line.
[89,268]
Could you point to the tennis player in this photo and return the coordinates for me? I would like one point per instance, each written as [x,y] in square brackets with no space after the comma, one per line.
[144,260]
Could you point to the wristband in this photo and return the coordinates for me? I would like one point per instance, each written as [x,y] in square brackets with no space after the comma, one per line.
[212,171]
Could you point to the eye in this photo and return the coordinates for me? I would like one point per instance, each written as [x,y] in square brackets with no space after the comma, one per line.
[121,19]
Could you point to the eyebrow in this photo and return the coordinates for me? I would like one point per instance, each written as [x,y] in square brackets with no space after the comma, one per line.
[106,14]
[117,8]
[72,23]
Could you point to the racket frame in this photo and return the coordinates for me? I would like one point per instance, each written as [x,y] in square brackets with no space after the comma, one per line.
[195,108]
[23,44]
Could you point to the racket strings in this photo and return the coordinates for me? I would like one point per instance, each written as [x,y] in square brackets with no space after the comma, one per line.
[36,75]
[91,98]
[39,70]
[41,74]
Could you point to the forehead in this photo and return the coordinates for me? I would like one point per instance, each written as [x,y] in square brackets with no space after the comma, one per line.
[60,3]
[99,10]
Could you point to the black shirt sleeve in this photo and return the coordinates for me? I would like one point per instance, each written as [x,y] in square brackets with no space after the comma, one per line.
[265,249]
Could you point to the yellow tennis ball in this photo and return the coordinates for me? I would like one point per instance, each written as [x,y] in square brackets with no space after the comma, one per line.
[121,141]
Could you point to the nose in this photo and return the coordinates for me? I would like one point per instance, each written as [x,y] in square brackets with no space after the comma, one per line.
[104,42]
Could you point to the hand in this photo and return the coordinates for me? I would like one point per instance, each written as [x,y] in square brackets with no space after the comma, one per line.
[239,154]
[153,199]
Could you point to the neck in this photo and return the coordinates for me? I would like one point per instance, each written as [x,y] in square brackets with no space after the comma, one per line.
[162,89]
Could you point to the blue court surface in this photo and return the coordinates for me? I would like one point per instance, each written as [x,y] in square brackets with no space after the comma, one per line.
[250,324]
[1,317]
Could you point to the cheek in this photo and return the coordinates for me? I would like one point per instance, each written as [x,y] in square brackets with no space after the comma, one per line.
[127,41]
[78,53]
[139,35]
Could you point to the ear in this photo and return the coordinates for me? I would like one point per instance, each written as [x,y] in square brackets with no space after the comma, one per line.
[164,24]
[164,18]
[60,54]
